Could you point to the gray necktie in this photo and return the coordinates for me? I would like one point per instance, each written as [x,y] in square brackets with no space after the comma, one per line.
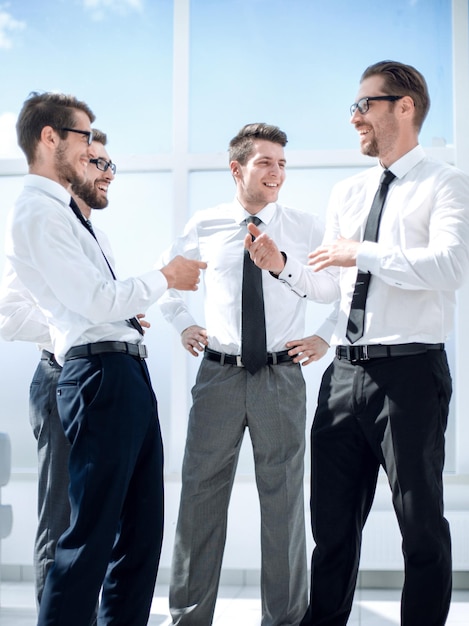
[356,320]
[253,336]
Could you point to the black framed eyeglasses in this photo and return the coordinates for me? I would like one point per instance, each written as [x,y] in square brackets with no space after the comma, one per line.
[87,133]
[363,104]
[103,165]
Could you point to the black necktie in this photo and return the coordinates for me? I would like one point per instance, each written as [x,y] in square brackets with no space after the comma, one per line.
[87,224]
[253,338]
[356,320]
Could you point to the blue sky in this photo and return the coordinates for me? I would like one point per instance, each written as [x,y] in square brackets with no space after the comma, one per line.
[295,63]
[114,54]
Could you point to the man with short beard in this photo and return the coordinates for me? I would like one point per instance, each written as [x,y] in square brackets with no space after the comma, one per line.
[17,309]
[105,399]
[384,399]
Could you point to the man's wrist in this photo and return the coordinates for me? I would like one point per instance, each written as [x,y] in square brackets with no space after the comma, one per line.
[276,274]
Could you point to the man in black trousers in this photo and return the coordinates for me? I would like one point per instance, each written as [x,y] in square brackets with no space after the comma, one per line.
[384,399]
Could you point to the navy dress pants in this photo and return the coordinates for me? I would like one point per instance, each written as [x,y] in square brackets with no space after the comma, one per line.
[109,413]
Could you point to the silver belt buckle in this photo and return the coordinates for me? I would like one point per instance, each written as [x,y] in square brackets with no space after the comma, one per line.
[142,351]
[365,353]
[239,363]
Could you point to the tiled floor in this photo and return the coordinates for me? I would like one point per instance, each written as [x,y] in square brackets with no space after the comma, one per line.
[237,606]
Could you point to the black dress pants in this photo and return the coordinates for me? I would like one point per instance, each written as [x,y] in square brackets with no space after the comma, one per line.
[109,413]
[389,412]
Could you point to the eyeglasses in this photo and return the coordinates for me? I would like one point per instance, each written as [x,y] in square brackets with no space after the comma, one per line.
[103,165]
[87,133]
[363,104]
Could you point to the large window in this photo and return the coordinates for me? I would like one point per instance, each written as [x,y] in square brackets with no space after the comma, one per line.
[171,81]
[297,63]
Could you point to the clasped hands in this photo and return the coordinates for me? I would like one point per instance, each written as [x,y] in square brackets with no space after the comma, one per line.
[266,255]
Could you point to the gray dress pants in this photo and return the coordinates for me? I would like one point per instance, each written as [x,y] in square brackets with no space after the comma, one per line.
[226,401]
[53,452]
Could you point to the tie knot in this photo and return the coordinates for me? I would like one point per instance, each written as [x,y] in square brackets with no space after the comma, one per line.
[386,177]
[253,219]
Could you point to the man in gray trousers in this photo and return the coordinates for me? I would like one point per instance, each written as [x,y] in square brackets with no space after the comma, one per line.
[231,394]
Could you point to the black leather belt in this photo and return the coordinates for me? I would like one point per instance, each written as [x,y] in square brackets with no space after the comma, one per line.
[90,349]
[355,354]
[233,359]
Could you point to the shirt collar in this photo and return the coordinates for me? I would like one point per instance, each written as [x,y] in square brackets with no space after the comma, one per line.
[48,186]
[266,214]
[402,166]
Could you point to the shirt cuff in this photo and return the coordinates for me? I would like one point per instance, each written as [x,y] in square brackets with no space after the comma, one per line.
[367,257]
[326,330]
[183,321]
[155,281]
[291,272]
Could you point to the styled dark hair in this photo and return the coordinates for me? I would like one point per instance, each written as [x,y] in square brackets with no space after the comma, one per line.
[242,145]
[46,109]
[403,80]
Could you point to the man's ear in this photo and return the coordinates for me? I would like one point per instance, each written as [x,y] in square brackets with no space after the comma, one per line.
[234,167]
[406,106]
[49,136]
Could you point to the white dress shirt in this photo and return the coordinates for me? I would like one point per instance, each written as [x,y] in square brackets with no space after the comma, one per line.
[216,236]
[421,256]
[62,266]
[21,318]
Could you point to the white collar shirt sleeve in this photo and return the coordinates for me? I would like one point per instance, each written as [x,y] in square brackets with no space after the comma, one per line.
[61,264]
[21,319]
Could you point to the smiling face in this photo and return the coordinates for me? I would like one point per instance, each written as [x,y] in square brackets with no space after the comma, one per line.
[378,128]
[72,153]
[93,191]
[260,179]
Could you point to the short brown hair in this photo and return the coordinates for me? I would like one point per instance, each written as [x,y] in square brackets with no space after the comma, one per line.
[242,145]
[99,136]
[403,80]
[46,109]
